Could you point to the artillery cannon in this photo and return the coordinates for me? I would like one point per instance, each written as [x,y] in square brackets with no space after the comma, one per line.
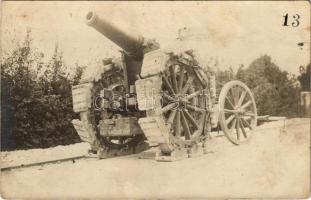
[154,97]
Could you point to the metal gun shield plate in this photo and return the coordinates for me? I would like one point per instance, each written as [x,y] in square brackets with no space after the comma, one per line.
[154,62]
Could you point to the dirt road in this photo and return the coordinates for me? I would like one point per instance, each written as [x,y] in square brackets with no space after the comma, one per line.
[274,163]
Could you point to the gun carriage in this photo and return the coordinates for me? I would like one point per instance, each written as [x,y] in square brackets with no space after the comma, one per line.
[150,96]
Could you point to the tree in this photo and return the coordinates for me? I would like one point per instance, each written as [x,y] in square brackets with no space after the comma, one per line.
[275,91]
[304,77]
[36,99]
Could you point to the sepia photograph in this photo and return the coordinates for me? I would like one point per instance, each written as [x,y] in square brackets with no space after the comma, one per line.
[155,99]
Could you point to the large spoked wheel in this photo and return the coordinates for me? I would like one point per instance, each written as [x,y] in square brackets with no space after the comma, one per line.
[183,104]
[238,113]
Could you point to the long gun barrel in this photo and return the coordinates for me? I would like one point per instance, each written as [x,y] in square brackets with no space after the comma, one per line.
[131,44]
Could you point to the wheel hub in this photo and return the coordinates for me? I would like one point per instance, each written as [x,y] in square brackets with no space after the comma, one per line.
[240,111]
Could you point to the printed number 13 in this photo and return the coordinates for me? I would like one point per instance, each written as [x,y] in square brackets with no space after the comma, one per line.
[295,22]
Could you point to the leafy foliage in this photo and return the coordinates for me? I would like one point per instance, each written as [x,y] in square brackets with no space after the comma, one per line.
[304,78]
[36,99]
[276,92]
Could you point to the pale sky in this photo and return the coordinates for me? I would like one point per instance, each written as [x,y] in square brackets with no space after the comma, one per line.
[235,32]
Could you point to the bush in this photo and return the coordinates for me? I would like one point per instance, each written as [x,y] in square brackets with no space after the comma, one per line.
[36,100]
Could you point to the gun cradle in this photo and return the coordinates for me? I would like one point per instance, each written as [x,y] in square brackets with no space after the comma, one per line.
[126,126]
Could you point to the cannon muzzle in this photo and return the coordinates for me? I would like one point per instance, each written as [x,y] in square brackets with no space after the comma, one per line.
[131,44]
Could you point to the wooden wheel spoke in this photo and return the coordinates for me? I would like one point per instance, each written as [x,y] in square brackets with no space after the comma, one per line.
[230,119]
[238,130]
[187,86]
[172,116]
[229,111]
[242,128]
[247,124]
[177,125]
[190,118]
[195,108]
[188,97]
[167,108]
[165,95]
[232,94]
[168,85]
[242,97]
[230,102]
[173,77]
[233,125]
[246,104]
[237,94]
[185,126]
